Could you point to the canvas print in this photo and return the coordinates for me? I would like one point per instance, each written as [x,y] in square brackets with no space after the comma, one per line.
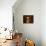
[28,19]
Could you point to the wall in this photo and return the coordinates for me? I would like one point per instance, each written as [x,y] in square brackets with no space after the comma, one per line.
[30,31]
[43,22]
[6,17]
[6,13]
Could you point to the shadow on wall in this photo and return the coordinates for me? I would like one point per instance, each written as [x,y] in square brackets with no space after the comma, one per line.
[28,7]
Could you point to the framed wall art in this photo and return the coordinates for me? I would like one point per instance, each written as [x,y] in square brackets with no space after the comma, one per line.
[28,19]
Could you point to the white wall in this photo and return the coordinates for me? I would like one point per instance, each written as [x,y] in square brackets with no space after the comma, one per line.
[6,18]
[43,22]
[31,31]
[6,13]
